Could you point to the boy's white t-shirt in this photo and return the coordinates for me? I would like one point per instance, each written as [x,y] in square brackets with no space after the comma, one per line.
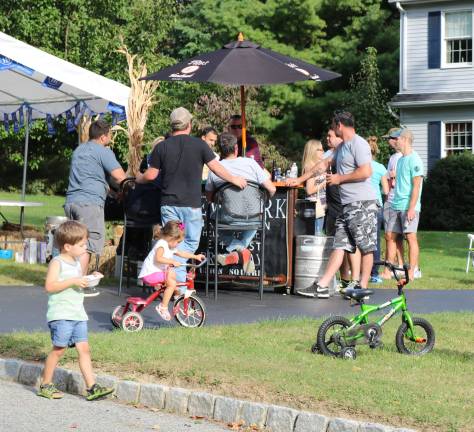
[150,266]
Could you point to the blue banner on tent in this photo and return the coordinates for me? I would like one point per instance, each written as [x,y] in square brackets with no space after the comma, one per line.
[16,127]
[52,83]
[77,120]
[6,123]
[70,122]
[119,109]
[21,117]
[7,63]
[49,123]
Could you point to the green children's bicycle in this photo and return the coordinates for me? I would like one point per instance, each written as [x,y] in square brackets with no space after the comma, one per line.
[338,336]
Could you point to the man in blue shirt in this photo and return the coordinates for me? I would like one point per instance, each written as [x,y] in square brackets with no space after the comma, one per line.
[92,164]
[405,208]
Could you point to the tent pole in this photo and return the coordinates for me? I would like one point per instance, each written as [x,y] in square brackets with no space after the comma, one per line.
[25,156]
[25,166]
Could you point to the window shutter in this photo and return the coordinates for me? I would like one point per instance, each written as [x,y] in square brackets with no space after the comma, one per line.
[434,143]
[434,40]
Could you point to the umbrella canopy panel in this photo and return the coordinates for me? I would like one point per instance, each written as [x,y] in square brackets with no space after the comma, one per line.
[243,63]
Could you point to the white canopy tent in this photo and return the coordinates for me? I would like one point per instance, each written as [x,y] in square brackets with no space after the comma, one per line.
[37,85]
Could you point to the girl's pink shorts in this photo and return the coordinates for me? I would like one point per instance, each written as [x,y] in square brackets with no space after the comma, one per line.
[155,278]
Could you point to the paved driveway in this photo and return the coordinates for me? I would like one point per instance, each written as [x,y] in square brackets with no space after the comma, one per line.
[24,308]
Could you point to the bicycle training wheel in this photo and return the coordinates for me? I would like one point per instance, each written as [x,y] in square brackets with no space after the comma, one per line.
[420,343]
[189,312]
[132,322]
[116,316]
[327,341]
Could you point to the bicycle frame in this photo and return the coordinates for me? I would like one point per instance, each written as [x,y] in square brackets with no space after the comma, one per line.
[397,304]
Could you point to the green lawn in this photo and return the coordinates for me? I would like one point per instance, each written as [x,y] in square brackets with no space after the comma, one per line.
[53,206]
[271,362]
[442,262]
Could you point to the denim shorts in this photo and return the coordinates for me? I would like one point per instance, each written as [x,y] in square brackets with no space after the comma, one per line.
[66,333]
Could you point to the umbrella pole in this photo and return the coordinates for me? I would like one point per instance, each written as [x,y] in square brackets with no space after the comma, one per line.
[244,121]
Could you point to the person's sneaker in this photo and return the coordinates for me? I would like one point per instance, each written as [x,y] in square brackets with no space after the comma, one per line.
[97,391]
[163,312]
[322,292]
[351,285]
[49,391]
[417,273]
[312,290]
[228,259]
[376,279]
[90,292]
[249,267]
[342,284]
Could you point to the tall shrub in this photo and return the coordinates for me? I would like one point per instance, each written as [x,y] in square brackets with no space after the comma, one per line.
[448,194]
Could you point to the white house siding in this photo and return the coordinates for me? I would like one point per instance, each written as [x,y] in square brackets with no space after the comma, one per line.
[420,79]
[416,119]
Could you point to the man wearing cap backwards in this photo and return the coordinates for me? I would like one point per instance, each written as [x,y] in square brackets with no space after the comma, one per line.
[405,207]
[357,226]
[392,137]
[179,160]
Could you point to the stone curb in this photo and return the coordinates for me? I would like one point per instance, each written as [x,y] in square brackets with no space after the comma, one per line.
[194,403]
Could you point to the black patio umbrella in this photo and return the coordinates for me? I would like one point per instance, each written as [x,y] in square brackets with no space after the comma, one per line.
[243,62]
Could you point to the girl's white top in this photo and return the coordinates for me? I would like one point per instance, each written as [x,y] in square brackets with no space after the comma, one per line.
[150,266]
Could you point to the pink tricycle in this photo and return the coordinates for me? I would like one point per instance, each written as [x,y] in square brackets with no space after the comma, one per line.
[188,309]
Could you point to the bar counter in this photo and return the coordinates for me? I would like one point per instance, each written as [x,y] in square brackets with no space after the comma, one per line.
[279,241]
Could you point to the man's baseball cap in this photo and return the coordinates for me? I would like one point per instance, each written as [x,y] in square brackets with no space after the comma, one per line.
[180,118]
[393,133]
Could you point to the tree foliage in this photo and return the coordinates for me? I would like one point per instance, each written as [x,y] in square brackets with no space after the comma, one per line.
[330,33]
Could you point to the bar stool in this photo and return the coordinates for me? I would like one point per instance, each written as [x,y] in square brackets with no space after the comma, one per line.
[236,210]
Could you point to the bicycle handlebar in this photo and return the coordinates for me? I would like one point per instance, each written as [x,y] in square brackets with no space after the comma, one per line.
[197,265]
[395,269]
[194,265]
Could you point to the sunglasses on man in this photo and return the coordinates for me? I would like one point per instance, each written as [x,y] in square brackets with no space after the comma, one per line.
[236,126]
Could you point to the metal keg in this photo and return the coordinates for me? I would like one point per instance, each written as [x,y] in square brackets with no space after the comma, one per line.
[311,259]
[51,223]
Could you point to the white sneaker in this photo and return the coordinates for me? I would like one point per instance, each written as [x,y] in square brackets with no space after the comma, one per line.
[417,273]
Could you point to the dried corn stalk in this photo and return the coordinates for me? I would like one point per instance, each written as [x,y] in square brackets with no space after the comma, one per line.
[141,99]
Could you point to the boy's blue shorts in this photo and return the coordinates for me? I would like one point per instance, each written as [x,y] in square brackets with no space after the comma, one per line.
[66,333]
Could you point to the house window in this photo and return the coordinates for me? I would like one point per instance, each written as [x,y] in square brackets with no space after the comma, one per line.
[458,37]
[458,137]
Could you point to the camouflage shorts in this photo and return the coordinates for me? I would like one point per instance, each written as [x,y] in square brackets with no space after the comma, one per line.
[357,227]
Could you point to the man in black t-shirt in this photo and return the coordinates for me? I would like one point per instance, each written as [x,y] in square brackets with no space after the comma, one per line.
[179,160]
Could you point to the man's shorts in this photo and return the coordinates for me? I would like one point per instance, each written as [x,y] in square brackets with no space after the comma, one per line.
[66,333]
[92,216]
[398,222]
[357,227]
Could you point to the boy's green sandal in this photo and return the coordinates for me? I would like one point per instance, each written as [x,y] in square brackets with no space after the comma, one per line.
[49,391]
[97,391]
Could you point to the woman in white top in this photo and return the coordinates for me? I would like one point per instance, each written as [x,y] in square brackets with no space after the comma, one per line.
[315,186]
[158,265]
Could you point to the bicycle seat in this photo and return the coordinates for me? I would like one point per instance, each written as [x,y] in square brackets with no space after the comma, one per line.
[358,294]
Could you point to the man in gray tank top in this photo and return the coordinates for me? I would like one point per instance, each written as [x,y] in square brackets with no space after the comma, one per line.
[356,227]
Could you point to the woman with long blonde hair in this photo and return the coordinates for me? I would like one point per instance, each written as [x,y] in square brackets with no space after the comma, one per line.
[315,186]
